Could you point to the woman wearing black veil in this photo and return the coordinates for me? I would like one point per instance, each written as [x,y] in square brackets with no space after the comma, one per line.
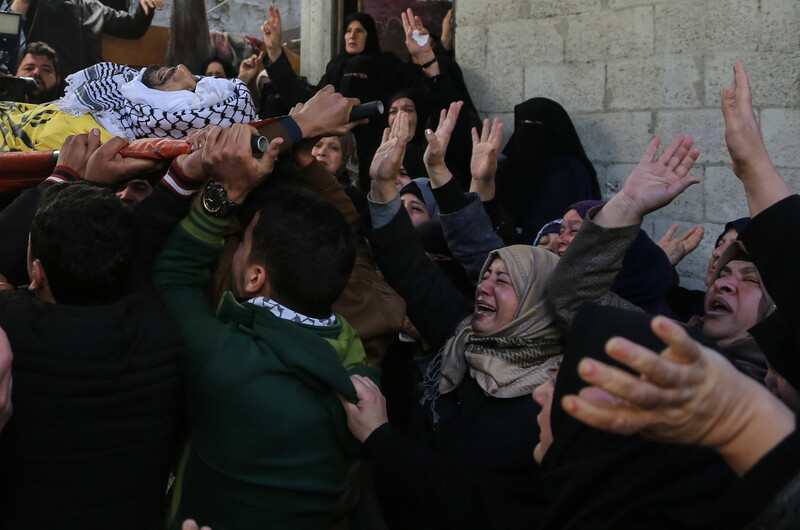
[546,168]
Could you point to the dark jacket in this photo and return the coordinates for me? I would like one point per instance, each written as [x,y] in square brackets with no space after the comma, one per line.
[75,29]
[269,440]
[472,468]
[96,413]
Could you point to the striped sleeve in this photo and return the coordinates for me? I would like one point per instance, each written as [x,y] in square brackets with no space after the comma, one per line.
[179,184]
[62,174]
[202,226]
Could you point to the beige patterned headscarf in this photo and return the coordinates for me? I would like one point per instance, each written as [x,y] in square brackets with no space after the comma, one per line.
[523,354]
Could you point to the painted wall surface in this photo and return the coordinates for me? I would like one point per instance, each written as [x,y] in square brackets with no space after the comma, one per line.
[628,70]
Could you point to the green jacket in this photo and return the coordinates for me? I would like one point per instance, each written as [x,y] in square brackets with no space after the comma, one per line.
[270,445]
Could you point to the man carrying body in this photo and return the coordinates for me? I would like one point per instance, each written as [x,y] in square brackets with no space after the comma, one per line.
[269,441]
[39,61]
[96,388]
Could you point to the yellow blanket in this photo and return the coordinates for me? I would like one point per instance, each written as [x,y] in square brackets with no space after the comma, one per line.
[27,127]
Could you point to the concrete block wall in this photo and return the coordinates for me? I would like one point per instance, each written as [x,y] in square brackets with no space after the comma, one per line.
[628,70]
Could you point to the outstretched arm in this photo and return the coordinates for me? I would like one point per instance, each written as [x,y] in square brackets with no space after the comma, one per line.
[763,184]
[607,236]
[467,227]
[687,394]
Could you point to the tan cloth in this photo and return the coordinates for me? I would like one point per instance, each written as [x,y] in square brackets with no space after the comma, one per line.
[520,356]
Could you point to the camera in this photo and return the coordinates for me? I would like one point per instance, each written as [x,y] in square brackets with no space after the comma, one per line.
[11,88]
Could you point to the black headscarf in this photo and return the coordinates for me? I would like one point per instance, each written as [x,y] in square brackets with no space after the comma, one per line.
[533,145]
[736,224]
[227,67]
[336,68]
[597,479]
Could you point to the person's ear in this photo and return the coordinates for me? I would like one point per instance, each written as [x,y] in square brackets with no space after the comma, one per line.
[257,281]
[39,284]
[37,276]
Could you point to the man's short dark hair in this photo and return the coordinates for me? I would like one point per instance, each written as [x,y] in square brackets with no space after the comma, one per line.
[85,239]
[306,248]
[40,48]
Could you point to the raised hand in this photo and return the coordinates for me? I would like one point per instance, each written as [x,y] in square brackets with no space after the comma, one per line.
[447,31]
[228,159]
[271,32]
[654,183]
[688,394]
[388,158]
[370,412]
[411,24]
[750,160]
[483,165]
[437,145]
[250,68]
[683,245]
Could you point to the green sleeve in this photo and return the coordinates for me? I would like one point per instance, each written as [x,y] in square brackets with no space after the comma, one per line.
[181,275]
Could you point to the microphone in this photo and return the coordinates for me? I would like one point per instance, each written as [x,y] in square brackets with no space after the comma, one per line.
[366,110]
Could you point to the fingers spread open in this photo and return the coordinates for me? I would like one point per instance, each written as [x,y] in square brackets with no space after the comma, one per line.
[604,416]
[619,383]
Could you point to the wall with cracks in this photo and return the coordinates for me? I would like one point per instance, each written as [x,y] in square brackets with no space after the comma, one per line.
[628,70]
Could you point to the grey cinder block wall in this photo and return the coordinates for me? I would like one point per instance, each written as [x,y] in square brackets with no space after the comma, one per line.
[626,70]
[629,70]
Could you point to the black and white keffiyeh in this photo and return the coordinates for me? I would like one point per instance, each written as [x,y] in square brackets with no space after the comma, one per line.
[285,313]
[114,95]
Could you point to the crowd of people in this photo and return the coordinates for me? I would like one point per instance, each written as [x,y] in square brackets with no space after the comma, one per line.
[386,323]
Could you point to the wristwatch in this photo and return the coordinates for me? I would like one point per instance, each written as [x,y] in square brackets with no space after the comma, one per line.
[216,202]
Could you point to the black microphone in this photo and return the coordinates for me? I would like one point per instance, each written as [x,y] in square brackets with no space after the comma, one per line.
[366,110]
[259,144]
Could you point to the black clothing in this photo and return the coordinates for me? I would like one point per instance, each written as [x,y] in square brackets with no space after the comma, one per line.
[778,261]
[97,392]
[546,169]
[458,469]
[596,479]
[97,402]
[15,224]
[74,28]
[774,481]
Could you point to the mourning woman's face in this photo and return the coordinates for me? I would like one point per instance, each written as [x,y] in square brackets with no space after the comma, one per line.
[406,105]
[355,38]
